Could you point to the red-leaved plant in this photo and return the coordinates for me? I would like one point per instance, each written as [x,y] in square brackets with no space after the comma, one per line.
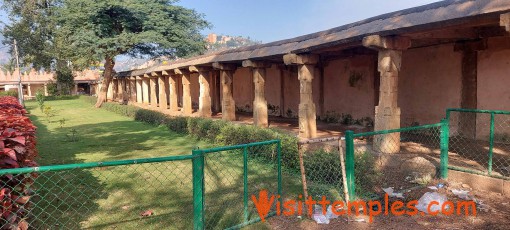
[17,150]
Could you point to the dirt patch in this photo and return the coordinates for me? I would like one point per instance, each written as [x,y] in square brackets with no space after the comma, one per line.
[494,214]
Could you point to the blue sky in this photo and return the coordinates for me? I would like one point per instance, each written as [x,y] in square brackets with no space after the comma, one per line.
[271,20]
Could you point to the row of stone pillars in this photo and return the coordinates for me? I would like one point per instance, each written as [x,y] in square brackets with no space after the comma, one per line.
[387,113]
[153,90]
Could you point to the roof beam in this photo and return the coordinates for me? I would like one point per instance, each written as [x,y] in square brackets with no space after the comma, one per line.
[504,21]
[378,42]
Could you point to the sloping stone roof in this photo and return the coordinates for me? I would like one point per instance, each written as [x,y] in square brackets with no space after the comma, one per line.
[435,15]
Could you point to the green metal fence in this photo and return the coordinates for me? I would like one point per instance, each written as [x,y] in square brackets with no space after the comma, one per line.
[480,141]
[401,159]
[207,189]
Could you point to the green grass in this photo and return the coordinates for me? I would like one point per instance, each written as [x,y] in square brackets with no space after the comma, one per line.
[114,197]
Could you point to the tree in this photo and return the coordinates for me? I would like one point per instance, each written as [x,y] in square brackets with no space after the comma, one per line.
[34,28]
[92,31]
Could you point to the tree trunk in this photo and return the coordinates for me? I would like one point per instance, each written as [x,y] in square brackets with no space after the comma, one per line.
[107,79]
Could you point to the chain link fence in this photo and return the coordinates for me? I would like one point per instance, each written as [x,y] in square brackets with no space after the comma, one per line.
[480,141]
[402,159]
[176,192]
[232,176]
[321,169]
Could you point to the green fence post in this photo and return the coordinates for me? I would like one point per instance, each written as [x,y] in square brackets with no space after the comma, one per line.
[349,164]
[198,190]
[445,137]
[245,183]
[491,144]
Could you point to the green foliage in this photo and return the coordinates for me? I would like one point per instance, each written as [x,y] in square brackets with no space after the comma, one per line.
[49,112]
[33,28]
[11,93]
[39,97]
[52,88]
[72,136]
[97,30]
[61,97]
[62,122]
[64,79]
[366,173]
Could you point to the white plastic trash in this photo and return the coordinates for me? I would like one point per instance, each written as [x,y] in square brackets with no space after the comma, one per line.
[320,218]
[427,198]
[330,214]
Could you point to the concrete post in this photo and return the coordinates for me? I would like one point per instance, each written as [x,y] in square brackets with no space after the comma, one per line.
[163,102]
[204,100]
[139,90]
[307,112]
[76,89]
[145,90]
[259,101]
[387,112]
[29,89]
[45,89]
[172,83]
[125,90]
[153,98]
[186,91]
[228,105]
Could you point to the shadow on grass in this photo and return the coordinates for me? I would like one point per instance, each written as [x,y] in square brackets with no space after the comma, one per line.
[63,199]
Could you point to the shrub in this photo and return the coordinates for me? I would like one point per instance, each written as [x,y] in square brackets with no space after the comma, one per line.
[11,93]
[39,97]
[61,97]
[17,149]
[177,124]
[149,116]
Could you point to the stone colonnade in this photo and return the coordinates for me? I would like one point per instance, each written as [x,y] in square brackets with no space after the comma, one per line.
[160,89]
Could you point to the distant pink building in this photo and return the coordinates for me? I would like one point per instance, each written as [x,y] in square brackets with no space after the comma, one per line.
[85,82]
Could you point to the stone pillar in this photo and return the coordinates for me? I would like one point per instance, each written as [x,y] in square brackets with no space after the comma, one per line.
[139,90]
[387,112]
[115,88]
[228,105]
[76,89]
[186,91]
[125,90]
[132,90]
[45,89]
[120,91]
[111,93]
[469,85]
[204,79]
[162,87]
[259,101]
[29,89]
[172,84]
[307,112]
[153,98]
[145,90]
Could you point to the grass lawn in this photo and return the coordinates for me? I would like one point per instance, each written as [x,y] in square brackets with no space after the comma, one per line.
[115,197]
